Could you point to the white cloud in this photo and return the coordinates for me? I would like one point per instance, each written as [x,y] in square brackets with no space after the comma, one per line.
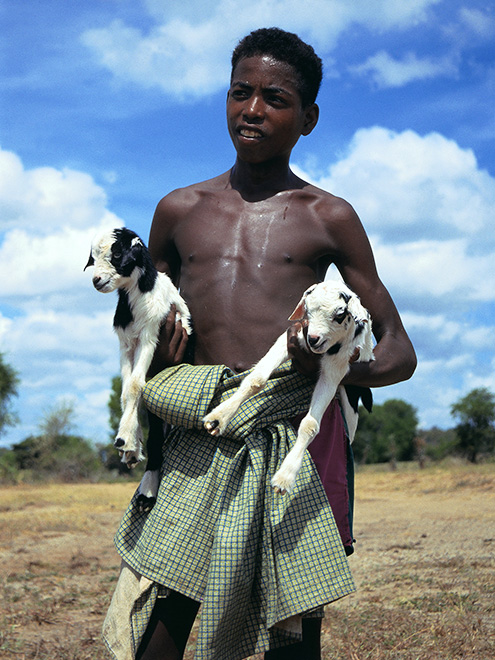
[387,71]
[62,354]
[77,335]
[48,218]
[481,23]
[428,210]
[409,188]
[180,55]
[55,330]
[44,264]
[45,199]
[435,269]
[452,332]
[5,325]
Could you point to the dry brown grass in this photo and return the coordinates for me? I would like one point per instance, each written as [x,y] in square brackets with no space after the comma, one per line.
[424,567]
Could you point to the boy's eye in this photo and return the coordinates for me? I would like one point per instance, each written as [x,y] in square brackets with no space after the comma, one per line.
[239,94]
[276,100]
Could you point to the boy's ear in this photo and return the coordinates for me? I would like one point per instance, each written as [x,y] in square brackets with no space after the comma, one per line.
[311,114]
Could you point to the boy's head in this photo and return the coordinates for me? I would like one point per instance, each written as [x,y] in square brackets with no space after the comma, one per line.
[285,47]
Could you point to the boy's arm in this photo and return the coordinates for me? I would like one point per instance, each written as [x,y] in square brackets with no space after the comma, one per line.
[173,337]
[395,357]
[349,249]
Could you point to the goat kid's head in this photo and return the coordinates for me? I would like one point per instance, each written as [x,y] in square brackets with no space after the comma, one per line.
[117,256]
[332,315]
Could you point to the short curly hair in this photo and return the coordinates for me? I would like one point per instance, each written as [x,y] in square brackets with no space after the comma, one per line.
[285,47]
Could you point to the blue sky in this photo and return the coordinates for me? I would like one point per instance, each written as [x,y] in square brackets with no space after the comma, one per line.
[107,105]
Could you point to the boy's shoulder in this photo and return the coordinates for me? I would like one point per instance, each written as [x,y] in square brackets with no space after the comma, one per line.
[324,204]
[180,200]
[308,201]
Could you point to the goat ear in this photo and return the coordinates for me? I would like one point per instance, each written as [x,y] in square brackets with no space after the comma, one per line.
[299,313]
[91,261]
[364,340]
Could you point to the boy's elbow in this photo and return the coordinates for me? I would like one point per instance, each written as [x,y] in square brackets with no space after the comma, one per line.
[409,364]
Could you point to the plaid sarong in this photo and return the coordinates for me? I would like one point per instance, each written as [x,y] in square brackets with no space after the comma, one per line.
[218,533]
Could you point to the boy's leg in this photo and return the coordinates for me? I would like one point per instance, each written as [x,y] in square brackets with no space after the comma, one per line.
[308,649]
[171,621]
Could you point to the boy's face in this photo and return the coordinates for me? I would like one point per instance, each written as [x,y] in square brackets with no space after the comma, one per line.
[264,112]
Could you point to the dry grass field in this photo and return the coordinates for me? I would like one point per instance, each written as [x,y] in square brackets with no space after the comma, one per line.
[424,566]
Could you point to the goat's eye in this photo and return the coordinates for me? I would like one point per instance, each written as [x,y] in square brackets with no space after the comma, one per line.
[340,316]
[117,254]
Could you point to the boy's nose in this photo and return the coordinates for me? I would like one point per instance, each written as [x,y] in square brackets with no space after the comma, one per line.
[253,110]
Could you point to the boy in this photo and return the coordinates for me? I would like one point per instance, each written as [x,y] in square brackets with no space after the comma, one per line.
[243,247]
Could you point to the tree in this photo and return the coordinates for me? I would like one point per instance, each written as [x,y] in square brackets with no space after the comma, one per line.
[440,443]
[8,466]
[56,452]
[57,421]
[476,428]
[387,434]
[8,389]
[114,409]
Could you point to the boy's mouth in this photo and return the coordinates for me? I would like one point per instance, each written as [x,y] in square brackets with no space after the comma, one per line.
[250,133]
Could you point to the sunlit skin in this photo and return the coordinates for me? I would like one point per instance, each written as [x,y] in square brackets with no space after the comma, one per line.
[244,246]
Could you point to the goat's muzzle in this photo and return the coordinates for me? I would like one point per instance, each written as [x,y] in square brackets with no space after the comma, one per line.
[100,285]
[313,340]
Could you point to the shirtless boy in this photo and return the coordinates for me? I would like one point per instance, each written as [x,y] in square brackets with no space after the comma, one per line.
[244,245]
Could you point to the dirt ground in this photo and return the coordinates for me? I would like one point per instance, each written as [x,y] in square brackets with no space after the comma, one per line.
[424,568]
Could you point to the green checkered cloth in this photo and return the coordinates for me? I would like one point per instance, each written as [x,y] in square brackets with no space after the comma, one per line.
[218,533]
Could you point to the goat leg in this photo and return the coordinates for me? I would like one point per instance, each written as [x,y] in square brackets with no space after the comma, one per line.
[284,479]
[130,437]
[148,488]
[218,419]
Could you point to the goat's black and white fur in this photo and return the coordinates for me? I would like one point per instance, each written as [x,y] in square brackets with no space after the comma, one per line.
[334,325]
[122,262]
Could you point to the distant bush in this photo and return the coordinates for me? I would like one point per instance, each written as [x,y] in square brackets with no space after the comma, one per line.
[387,434]
[439,443]
[9,470]
[65,457]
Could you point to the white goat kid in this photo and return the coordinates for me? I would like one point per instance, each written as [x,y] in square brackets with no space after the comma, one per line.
[334,325]
[122,262]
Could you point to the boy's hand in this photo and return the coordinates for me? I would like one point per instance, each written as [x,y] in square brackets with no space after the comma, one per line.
[172,342]
[306,362]
[172,339]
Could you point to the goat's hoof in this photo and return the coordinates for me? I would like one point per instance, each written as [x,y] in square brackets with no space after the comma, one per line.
[212,426]
[119,442]
[145,504]
[131,458]
[281,484]
[279,491]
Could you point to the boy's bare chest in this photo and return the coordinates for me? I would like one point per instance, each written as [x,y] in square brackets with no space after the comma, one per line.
[245,233]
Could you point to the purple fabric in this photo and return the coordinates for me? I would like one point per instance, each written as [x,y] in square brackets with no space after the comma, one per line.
[329,453]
